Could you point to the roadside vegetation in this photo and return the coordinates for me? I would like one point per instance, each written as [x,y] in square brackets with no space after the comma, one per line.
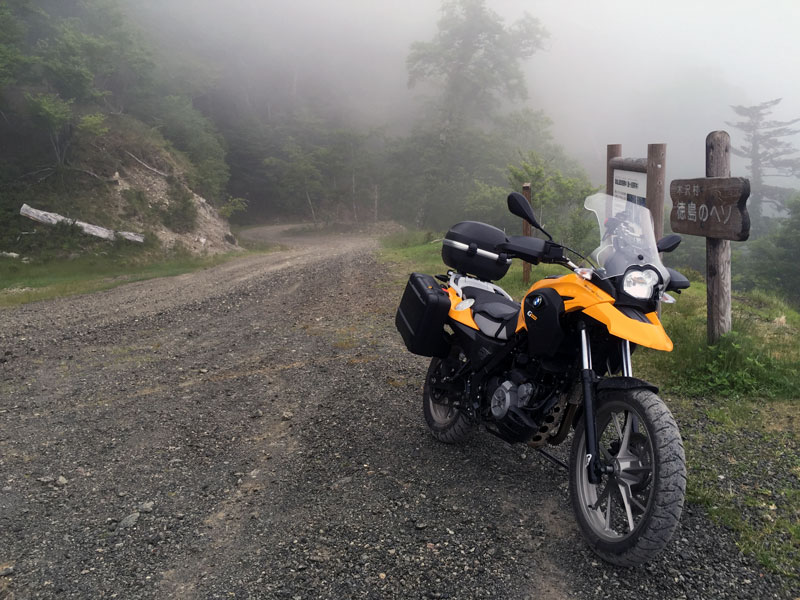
[67,262]
[737,403]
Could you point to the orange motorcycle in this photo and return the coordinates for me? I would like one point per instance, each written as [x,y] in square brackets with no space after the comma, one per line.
[532,372]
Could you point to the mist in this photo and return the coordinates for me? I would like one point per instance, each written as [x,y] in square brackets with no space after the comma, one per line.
[623,72]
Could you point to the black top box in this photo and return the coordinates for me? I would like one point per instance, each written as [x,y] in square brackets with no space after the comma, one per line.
[470,247]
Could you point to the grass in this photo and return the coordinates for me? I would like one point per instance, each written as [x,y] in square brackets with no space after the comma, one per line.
[737,402]
[22,283]
[69,263]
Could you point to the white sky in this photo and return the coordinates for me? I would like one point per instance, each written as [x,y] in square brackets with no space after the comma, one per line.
[638,72]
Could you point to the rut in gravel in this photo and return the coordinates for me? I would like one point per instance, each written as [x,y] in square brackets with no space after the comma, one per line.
[255,430]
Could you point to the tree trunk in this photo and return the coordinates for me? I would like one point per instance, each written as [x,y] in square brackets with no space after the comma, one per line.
[376,194]
[311,206]
[355,212]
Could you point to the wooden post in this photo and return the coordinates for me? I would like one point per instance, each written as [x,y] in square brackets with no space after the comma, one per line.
[612,151]
[718,252]
[526,230]
[656,176]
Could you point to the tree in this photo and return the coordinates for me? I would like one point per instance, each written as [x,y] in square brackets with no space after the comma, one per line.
[475,59]
[768,264]
[768,154]
[557,200]
[194,134]
[55,115]
[11,34]
[298,175]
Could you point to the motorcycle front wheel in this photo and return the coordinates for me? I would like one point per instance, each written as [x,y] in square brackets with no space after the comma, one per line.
[446,422]
[630,516]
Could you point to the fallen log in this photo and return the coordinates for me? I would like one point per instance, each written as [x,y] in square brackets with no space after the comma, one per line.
[50,218]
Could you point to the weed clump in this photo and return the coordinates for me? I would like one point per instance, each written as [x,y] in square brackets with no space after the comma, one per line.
[181,213]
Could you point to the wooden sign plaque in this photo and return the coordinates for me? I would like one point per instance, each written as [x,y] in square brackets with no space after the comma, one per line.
[712,207]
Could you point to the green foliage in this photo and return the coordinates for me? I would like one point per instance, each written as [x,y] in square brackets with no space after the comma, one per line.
[69,59]
[92,265]
[298,175]
[11,32]
[758,357]
[53,112]
[137,204]
[93,125]
[194,134]
[769,263]
[557,201]
[180,215]
[475,58]
[232,207]
[408,239]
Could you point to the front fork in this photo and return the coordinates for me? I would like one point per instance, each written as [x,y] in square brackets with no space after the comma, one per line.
[596,467]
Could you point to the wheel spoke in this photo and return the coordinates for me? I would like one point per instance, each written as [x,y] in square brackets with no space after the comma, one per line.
[606,454]
[603,495]
[608,509]
[625,492]
[615,417]
[626,437]
[642,469]
[637,504]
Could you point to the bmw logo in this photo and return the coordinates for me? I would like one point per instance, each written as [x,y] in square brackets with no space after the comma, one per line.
[537,301]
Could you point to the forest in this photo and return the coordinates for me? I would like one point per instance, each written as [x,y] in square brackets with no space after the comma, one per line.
[90,87]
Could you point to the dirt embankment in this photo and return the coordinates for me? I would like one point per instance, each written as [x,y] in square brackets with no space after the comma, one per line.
[255,431]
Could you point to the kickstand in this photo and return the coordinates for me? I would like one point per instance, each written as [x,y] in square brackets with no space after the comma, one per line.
[553,459]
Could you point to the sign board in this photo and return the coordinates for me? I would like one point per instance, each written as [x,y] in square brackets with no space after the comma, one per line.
[712,207]
[630,186]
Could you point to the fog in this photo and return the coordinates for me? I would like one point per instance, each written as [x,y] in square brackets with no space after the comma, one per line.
[626,71]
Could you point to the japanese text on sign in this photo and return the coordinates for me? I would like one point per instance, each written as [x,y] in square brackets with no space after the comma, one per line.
[711,207]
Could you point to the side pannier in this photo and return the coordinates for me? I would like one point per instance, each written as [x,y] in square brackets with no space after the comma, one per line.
[421,316]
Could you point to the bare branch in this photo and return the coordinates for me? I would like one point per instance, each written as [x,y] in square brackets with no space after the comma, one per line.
[146,166]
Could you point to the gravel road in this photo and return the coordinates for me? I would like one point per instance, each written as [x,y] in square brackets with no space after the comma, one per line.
[255,430]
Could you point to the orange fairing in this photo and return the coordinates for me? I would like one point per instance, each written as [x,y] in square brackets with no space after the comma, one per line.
[460,316]
[579,294]
[650,334]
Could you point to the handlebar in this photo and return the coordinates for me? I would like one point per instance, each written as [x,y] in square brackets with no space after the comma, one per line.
[533,250]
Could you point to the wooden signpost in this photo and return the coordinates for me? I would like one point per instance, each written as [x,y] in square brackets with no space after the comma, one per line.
[620,184]
[714,207]
[526,230]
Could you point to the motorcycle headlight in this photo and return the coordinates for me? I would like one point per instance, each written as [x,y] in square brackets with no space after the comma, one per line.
[640,283]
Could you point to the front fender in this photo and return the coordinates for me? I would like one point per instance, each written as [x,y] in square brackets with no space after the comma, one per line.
[625,383]
[650,334]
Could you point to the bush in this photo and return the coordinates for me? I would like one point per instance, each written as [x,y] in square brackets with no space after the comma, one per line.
[181,213]
[757,358]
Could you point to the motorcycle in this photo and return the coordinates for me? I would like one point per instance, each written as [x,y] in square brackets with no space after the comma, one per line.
[560,361]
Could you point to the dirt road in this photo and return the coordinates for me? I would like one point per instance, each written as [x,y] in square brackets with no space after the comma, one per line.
[254,431]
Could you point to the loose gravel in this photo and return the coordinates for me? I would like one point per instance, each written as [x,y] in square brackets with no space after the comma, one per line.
[255,431]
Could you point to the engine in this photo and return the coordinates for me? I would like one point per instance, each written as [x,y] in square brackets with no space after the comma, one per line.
[521,403]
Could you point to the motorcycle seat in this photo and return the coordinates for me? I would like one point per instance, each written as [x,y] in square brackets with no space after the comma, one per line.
[494,314]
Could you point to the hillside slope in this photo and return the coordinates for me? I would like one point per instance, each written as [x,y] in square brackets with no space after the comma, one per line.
[128,179]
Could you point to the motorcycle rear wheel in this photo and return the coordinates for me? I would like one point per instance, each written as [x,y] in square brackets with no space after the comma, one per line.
[446,422]
[630,516]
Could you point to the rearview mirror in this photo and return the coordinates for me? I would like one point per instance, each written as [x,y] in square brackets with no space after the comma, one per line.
[519,206]
[668,243]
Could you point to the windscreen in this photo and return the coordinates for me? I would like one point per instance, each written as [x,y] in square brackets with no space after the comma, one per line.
[626,236]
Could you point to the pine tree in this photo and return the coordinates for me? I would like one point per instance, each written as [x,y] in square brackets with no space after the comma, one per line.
[769,155]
